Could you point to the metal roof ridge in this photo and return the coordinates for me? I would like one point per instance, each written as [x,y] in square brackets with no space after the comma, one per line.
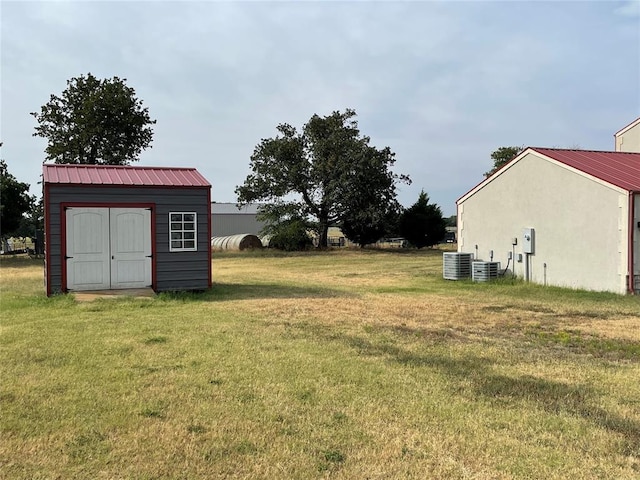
[581,150]
[123,175]
[142,167]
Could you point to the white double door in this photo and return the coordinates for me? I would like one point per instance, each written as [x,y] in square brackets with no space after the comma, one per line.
[108,248]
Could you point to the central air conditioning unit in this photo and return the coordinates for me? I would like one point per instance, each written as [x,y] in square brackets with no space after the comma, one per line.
[456,265]
[484,271]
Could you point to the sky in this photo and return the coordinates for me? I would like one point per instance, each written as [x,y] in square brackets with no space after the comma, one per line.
[443,84]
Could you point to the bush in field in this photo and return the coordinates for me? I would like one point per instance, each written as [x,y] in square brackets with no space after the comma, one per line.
[290,235]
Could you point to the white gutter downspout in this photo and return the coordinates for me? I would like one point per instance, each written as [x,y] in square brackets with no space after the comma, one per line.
[631,277]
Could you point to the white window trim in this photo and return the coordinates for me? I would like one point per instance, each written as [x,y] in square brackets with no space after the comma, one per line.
[182,230]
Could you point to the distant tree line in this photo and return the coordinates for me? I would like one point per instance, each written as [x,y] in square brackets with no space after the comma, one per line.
[20,213]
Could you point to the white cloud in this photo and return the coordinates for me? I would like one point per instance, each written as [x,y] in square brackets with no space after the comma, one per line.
[630,8]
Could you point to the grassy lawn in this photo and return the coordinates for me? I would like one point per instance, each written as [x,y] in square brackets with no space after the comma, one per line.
[344,364]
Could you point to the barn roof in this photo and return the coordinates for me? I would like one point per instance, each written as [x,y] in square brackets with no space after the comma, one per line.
[233,209]
[621,169]
[116,175]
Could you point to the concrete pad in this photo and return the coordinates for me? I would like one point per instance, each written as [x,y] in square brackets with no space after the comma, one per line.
[90,295]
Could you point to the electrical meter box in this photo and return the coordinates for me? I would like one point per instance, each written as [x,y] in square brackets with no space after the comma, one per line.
[528,240]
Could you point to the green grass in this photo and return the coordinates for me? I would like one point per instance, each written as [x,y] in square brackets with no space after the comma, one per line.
[344,364]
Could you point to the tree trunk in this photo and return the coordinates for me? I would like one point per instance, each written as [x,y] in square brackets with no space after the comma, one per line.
[323,231]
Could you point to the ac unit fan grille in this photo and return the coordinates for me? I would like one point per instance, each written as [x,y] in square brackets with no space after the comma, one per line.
[484,271]
[456,265]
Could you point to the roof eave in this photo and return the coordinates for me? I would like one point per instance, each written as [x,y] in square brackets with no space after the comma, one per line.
[494,175]
[628,127]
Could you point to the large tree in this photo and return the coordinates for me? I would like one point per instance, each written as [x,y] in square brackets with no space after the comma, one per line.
[14,201]
[367,225]
[94,122]
[501,157]
[370,205]
[422,224]
[317,174]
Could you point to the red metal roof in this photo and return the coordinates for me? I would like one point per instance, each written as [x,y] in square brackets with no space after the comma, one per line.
[621,169]
[123,175]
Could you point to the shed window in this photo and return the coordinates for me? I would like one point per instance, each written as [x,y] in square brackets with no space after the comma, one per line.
[182,231]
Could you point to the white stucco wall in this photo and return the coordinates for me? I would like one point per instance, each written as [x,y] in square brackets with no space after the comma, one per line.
[629,140]
[580,224]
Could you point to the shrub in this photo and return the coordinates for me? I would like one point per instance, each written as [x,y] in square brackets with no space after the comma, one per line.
[290,235]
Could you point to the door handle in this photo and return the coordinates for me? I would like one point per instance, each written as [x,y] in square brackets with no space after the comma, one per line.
[112,257]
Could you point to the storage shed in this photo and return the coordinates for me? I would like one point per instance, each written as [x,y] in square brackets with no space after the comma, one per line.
[569,218]
[118,227]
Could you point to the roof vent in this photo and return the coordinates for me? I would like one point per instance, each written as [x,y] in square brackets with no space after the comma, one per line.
[456,265]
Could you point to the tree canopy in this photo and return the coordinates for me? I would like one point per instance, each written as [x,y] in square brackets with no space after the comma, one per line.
[94,122]
[32,220]
[502,156]
[370,224]
[370,206]
[14,201]
[422,224]
[451,221]
[325,174]
[290,235]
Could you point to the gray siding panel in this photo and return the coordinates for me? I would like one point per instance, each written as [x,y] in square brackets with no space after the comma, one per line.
[174,270]
[180,284]
[223,225]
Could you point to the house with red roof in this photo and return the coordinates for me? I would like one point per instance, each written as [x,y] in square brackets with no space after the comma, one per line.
[568,218]
[122,227]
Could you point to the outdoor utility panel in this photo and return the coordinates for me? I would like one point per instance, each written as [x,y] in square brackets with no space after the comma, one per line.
[528,240]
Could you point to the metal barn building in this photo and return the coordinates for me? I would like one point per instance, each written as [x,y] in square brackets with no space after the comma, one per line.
[227,219]
[569,218]
[120,227]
